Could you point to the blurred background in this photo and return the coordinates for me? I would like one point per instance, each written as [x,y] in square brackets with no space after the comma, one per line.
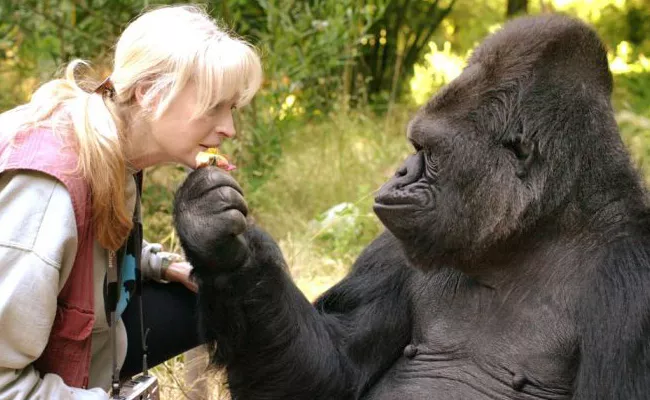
[328,126]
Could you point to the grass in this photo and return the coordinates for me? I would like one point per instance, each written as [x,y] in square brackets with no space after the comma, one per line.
[344,160]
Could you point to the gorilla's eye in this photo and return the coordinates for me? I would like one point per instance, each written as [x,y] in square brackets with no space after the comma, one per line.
[519,148]
[418,147]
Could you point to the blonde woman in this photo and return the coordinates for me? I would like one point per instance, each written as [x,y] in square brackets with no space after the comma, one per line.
[69,203]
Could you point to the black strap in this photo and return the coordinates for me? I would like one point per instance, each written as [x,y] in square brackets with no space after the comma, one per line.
[137,224]
[113,288]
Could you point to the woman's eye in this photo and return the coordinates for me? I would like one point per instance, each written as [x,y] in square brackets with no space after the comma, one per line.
[214,111]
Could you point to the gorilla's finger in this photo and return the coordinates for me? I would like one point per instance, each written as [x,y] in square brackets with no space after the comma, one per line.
[215,228]
[209,176]
[203,181]
[226,256]
[218,177]
[208,231]
[220,199]
[233,200]
[234,220]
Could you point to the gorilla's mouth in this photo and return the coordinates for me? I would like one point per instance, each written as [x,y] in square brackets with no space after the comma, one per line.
[417,195]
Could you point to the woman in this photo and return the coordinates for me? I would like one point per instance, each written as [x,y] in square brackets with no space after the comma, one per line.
[69,202]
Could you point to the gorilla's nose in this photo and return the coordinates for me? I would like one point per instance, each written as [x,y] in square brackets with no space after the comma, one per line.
[411,170]
[394,191]
[401,171]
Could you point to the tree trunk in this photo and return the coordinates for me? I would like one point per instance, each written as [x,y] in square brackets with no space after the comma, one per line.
[406,26]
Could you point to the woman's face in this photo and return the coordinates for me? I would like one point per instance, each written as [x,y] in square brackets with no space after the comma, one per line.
[180,139]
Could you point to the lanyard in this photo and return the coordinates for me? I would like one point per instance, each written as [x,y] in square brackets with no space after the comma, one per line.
[113,289]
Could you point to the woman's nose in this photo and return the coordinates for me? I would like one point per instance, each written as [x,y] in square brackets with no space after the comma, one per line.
[226,127]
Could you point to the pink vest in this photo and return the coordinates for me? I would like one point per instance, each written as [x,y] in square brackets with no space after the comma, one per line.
[68,351]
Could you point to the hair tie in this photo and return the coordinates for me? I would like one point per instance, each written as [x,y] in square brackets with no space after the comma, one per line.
[106,88]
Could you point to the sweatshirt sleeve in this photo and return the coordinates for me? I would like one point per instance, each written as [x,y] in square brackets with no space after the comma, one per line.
[150,266]
[38,243]
[152,259]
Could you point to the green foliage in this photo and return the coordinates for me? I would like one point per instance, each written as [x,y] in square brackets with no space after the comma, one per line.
[468,23]
[343,231]
[440,67]
[631,71]
[632,101]
[38,37]
[306,47]
[341,159]
[635,130]
[395,43]
[633,92]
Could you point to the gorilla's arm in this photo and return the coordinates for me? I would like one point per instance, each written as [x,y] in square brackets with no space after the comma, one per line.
[614,327]
[273,342]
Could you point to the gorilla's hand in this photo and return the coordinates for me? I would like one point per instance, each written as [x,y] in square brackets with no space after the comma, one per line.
[210,218]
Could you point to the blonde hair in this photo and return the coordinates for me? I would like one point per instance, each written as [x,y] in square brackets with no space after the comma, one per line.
[164,48]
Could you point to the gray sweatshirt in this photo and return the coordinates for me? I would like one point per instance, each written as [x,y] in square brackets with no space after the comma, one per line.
[38,243]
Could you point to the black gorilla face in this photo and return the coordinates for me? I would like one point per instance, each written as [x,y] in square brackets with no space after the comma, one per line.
[461,189]
[494,149]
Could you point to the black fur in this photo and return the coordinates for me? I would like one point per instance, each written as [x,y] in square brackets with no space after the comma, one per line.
[515,266]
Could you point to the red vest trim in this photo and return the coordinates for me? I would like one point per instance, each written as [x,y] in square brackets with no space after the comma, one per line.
[68,350]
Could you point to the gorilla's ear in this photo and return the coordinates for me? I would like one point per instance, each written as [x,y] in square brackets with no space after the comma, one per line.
[525,151]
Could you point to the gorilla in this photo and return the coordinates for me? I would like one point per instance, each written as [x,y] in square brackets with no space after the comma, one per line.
[515,262]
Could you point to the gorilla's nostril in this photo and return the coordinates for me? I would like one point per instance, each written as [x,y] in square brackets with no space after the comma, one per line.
[406,187]
[412,168]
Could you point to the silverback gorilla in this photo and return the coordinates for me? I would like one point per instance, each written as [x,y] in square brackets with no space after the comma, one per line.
[515,265]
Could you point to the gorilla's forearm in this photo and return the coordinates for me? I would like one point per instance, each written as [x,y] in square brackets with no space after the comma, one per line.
[275,344]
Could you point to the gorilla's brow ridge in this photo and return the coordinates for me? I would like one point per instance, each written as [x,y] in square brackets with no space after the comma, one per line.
[459,91]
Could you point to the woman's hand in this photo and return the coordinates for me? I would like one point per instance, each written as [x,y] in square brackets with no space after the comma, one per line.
[180,272]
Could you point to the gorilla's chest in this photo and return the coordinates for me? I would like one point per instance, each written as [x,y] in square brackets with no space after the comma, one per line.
[466,344]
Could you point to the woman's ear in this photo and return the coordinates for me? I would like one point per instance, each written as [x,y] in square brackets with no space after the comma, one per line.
[141,89]
[143,98]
